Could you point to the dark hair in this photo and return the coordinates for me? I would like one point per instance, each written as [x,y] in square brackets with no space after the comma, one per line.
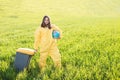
[46,25]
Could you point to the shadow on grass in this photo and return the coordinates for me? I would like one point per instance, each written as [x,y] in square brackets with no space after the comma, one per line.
[9,73]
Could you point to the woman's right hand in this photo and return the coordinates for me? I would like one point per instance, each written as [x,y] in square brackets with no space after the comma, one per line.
[35,51]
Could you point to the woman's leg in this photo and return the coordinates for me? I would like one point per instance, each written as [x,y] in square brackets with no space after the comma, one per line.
[56,57]
[43,57]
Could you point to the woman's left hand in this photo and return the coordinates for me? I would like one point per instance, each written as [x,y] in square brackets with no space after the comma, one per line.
[59,38]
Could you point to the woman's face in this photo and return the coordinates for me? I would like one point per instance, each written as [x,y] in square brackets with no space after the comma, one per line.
[46,21]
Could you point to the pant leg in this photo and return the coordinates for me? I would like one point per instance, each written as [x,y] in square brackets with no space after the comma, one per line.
[43,57]
[55,55]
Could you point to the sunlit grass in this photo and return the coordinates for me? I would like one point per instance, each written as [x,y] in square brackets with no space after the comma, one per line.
[89,48]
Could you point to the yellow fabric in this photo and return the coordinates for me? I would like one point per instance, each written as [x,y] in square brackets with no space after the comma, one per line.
[26,51]
[48,45]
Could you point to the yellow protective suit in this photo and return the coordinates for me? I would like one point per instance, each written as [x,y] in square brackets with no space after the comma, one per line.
[48,45]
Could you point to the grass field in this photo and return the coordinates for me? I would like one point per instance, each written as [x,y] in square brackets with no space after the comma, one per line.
[90,48]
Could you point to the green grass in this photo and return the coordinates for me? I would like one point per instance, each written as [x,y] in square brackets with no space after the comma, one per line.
[90,48]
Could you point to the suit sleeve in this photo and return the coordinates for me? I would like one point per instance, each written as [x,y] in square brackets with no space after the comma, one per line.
[37,37]
[58,29]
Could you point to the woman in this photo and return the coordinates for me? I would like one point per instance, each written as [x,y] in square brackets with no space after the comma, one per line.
[48,45]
